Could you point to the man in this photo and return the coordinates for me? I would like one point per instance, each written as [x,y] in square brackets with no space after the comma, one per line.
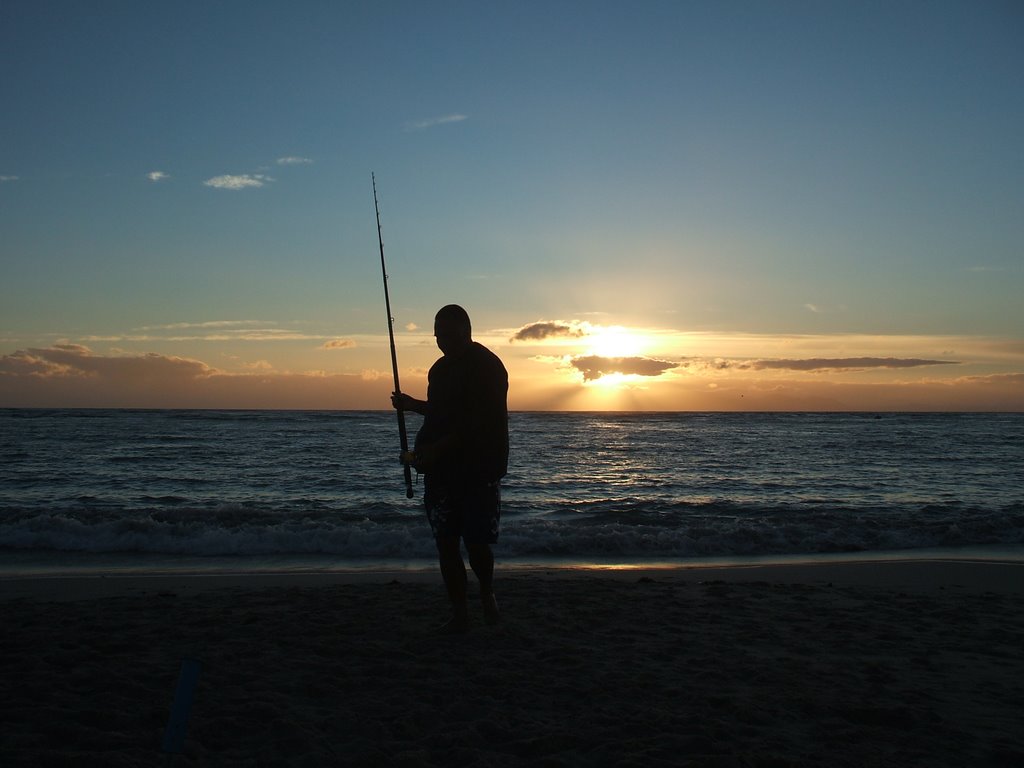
[462,451]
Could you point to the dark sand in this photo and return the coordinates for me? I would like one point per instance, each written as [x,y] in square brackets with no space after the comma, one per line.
[884,664]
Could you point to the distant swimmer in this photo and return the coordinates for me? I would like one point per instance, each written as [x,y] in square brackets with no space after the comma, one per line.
[462,451]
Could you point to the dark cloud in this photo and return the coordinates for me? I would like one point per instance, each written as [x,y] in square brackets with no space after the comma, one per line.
[845,363]
[545,329]
[813,364]
[594,366]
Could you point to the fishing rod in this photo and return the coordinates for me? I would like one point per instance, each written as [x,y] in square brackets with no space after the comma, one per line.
[403,436]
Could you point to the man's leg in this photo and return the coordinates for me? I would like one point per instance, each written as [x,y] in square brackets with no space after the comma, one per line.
[453,570]
[481,560]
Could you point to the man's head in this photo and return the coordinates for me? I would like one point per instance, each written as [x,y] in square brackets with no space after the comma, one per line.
[452,329]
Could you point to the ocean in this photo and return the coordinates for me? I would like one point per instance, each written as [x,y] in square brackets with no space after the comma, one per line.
[158,490]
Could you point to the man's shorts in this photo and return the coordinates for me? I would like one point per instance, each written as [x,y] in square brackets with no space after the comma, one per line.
[472,512]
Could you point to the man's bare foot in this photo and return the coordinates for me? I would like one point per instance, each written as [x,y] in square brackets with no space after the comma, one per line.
[490,605]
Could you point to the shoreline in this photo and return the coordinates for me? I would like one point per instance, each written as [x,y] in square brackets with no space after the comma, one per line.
[919,573]
[16,562]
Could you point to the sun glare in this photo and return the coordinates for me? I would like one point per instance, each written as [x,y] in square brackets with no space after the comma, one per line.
[610,347]
[609,381]
[614,341]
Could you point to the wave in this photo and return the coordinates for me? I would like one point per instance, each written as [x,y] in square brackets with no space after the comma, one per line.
[607,529]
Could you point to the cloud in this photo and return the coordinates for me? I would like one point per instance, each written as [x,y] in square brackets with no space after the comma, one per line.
[204,324]
[338,344]
[844,363]
[72,376]
[411,327]
[709,364]
[211,330]
[157,176]
[242,181]
[259,365]
[258,334]
[994,379]
[8,178]
[813,364]
[29,364]
[420,125]
[293,160]
[548,328]
[75,360]
[594,366]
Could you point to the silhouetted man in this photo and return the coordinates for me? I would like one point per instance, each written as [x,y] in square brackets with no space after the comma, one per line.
[462,451]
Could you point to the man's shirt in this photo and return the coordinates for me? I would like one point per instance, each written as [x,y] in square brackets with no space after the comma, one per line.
[467,400]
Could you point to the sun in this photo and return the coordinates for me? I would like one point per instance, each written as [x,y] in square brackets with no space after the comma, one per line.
[615,341]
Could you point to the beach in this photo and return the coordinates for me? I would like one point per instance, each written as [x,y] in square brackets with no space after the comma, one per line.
[842,664]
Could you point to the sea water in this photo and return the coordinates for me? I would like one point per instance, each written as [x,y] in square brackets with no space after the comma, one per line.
[169,489]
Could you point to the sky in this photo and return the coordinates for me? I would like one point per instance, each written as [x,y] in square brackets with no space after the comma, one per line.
[643,205]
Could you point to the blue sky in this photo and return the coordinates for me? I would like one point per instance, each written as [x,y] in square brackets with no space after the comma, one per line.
[710,185]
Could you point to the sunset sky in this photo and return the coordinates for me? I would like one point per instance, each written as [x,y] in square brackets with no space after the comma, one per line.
[643,205]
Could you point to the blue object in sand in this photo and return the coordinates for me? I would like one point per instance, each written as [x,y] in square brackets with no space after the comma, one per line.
[174,736]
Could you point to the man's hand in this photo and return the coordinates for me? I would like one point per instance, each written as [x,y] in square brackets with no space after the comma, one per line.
[422,460]
[404,402]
